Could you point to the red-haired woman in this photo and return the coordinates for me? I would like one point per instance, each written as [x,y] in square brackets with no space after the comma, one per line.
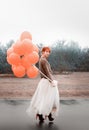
[45,101]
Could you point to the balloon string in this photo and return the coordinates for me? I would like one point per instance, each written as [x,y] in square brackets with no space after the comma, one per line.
[45,76]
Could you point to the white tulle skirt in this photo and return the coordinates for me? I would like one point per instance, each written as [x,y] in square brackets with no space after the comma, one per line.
[45,99]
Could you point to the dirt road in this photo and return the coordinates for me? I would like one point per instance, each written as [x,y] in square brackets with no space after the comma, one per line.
[75,84]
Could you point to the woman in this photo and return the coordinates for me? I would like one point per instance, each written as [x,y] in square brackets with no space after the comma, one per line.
[45,101]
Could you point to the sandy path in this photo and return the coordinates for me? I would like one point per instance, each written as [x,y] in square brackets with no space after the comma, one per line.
[74,84]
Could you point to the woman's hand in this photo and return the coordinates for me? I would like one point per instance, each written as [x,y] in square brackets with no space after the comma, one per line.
[54,83]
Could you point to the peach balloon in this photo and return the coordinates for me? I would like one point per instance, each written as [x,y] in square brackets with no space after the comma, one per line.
[36,48]
[13,45]
[25,35]
[14,59]
[33,57]
[19,71]
[25,62]
[32,72]
[9,51]
[27,46]
[18,48]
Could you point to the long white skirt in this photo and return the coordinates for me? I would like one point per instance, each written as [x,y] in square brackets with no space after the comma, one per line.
[45,99]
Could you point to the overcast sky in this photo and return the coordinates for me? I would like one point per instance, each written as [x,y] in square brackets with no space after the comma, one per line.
[46,20]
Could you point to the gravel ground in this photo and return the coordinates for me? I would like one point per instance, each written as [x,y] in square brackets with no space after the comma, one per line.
[74,84]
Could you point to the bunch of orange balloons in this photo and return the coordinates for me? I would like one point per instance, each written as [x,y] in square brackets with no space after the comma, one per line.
[23,55]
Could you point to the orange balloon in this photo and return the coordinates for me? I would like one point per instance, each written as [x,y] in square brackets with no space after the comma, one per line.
[18,49]
[25,35]
[27,46]
[25,62]
[9,51]
[13,45]
[32,72]
[33,57]
[14,59]
[36,48]
[19,71]
[12,67]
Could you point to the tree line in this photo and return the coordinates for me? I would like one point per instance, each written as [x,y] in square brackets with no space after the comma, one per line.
[64,57]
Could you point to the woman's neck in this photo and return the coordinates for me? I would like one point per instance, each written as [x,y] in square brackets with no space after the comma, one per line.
[43,56]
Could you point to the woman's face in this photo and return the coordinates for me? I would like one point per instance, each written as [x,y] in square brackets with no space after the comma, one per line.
[46,53]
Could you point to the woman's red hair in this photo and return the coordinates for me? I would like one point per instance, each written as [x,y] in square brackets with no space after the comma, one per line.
[46,49]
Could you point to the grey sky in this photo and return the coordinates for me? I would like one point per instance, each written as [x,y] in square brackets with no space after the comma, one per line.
[47,20]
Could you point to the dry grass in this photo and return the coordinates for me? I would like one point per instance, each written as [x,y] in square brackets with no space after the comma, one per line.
[75,84]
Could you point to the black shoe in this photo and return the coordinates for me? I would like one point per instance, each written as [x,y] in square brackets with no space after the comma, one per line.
[40,117]
[50,117]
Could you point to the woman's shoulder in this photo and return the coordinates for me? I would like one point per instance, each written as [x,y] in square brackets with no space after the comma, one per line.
[43,60]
